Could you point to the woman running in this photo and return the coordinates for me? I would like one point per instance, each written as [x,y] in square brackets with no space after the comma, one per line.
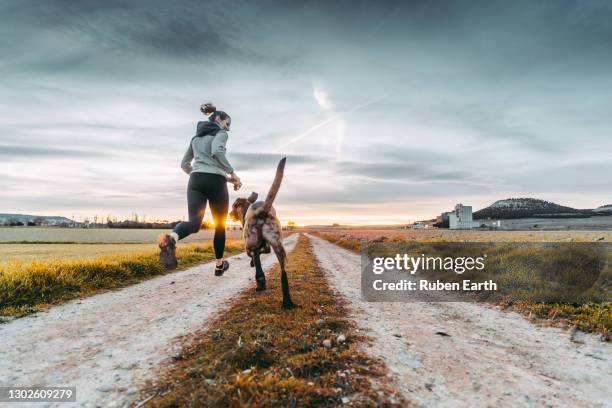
[208,176]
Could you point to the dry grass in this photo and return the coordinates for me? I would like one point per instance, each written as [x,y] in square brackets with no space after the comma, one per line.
[51,235]
[593,315]
[26,252]
[448,235]
[256,354]
[26,287]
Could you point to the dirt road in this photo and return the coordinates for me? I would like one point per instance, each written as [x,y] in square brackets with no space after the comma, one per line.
[488,357]
[109,344]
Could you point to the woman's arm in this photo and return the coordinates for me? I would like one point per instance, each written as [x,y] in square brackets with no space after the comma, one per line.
[218,152]
[187,158]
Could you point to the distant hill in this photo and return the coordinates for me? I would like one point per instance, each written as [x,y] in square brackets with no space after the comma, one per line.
[24,219]
[604,209]
[528,207]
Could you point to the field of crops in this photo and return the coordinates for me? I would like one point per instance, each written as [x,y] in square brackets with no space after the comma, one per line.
[29,244]
[469,235]
[50,265]
[29,284]
[102,235]
[31,252]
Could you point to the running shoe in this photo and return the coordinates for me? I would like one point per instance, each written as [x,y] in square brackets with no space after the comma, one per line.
[167,251]
[220,269]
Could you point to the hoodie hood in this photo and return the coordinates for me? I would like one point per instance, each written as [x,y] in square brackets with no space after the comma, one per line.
[207,128]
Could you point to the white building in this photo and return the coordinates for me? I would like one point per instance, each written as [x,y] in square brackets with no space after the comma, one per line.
[461,217]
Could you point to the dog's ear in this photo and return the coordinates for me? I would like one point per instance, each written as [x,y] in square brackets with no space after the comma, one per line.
[252,198]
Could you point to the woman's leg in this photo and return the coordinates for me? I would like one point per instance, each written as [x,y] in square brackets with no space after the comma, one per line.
[219,204]
[196,205]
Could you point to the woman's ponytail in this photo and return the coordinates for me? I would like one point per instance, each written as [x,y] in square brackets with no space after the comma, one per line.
[208,108]
[211,111]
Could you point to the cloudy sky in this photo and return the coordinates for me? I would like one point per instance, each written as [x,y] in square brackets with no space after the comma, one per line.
[387,111]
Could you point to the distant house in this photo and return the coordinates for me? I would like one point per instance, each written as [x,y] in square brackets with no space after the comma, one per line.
[420,225]
[442,220]
[459,218]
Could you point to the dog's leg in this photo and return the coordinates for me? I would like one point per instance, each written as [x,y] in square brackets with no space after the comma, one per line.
[271,231]
[279,250]
[260,278]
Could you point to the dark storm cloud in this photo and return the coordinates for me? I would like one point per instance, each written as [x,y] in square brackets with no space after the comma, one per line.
[139,27]
[519,37]
[554,30]
[470,98]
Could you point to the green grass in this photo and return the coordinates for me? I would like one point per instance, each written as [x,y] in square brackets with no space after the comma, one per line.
[26,287]
[523,268]
[257,354]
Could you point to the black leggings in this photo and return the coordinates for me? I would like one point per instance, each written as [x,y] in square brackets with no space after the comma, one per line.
[204,187]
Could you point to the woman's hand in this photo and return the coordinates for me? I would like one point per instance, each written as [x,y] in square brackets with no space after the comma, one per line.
[235,180]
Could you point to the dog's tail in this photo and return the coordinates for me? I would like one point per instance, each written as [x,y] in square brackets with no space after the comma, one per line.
[280,170]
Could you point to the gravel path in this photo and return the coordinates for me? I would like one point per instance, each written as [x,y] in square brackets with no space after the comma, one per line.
[109,344]
[489,358]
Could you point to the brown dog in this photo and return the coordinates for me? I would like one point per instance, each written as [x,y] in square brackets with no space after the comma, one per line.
[262,230]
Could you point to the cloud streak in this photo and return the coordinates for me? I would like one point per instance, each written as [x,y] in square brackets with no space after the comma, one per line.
[333,118]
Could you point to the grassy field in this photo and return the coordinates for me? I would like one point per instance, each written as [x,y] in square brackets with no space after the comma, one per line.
[28,285]
[468,235]
[42,235]
[256,354]
[587,316]
[34,243]
[39,252]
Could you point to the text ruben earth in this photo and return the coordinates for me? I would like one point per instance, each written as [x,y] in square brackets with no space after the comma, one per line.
[425,285]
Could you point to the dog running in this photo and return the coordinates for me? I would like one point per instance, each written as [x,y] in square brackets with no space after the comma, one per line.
[262,230]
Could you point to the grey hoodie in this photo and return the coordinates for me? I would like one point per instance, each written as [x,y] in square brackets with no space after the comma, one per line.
[207,151]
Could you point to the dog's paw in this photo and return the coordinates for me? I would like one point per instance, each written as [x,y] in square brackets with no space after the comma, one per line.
[261,286]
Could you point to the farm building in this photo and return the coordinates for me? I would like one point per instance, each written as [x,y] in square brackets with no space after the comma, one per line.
[459,218]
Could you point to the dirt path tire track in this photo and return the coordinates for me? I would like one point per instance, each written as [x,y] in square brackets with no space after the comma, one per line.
[491,358]
[107,345]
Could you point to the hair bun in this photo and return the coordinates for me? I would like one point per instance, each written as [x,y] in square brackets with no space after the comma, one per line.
[208,108]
